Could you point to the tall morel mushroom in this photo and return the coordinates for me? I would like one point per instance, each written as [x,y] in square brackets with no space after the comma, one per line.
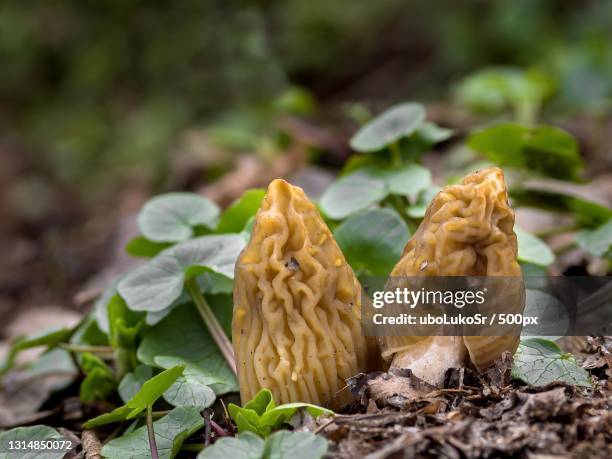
[297,305]
[467,231]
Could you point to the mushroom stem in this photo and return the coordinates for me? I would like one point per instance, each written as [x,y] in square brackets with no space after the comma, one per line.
[440,354]
[214,327]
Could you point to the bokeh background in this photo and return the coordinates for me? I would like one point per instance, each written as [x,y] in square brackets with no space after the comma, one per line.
[105,103]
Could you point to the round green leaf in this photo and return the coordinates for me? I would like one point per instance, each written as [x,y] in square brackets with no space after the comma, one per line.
[157,284]
[187,391]
[544,149]
[539,362]
[432,133]
[408,180]
[170,433]
[295,445]
[532,249]
[351,194]
[38,433]
[247,445]
[182,339]
[373,241]
[397,122]
[597,242]
[172,217]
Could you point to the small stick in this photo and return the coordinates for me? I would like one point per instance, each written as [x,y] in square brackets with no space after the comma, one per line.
[324,426]
[207,422]
[152,444]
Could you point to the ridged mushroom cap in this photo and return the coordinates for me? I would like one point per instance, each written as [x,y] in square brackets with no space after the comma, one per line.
[297,305]
[467,231]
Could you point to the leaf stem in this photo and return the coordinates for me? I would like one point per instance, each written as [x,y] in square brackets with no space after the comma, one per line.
[396,156]
[85,348]
[152,444]
[224,344]
[220,431]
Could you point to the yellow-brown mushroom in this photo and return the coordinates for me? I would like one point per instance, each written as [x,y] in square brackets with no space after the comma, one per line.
[297,305]
[467,231]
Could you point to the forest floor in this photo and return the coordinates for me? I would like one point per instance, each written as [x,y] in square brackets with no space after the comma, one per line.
[478,416]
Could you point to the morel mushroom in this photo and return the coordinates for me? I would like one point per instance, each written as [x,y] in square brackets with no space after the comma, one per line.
[297,305]
[467,231]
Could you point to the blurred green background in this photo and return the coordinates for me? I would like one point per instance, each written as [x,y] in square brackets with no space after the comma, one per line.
[106,103]
[97,93]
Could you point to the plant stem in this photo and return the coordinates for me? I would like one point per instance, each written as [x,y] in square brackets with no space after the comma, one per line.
[156,414]
[220,431]
[396,156]
[152,444]
[214,327]
[85,348]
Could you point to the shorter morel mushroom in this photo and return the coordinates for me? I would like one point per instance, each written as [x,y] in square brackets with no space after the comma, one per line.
[467,231]
[297,303]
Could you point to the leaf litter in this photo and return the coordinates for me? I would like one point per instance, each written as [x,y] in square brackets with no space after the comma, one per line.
[397,415]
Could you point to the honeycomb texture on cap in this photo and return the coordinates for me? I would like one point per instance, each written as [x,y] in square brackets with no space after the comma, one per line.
[467,231]
[297,305]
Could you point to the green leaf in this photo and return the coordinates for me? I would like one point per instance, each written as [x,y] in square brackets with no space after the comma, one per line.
[419,208]
[262,416]
[132,382]
[140,246]
[262,402]
[280,445]
[34,433]
[245,446]
[157,284]
[539,362]
[493,90]
[279,415]
[597,242]
[370,184]
[408,179]
[295,445]
[147,395]
[173,217]
[532,249]
[182,337]
[49,338]
[544,149]
[350,194]
[99,381]
[124,323]
[170,433]
[236,216]
[389,127]
[431,133]
[152,389]
[89,333]
[100,309]
[373,240]
[188,391]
